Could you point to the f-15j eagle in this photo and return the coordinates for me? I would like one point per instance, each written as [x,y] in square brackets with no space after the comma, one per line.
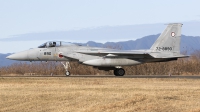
[165,48]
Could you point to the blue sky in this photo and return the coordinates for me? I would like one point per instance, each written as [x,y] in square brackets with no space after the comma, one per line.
[37,16]
[28,16]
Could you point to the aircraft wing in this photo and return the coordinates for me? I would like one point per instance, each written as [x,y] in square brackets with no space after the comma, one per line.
[129,54]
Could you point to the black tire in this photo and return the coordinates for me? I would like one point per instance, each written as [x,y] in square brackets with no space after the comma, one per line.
[115,72]
[119,72]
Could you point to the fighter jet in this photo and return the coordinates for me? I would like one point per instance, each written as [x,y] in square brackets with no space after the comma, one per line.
[165,48]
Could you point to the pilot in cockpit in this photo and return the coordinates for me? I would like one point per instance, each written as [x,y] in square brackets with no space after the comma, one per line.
[52,44]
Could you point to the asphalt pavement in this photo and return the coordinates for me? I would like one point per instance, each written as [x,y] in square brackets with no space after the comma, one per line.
[112,76]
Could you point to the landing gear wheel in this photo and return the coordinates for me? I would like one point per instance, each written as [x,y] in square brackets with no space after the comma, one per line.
[119,72]
[67,73]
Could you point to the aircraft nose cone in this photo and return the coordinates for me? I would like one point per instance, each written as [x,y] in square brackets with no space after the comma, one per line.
[18,56]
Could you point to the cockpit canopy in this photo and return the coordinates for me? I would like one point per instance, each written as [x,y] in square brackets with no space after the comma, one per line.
[54,44]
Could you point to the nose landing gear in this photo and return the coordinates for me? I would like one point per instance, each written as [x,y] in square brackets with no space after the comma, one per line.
[66,66]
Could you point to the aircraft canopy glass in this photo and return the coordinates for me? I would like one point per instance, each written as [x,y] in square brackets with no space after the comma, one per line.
[54,44]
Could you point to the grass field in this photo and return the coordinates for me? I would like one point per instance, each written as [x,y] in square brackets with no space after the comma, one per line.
[67,94]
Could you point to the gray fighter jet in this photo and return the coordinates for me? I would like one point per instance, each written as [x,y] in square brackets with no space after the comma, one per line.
[165,48]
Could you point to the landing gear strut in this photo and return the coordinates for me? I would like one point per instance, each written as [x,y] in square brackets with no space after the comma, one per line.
[66,66]
[119,72]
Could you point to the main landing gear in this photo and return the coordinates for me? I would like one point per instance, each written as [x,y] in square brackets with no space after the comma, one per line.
[119,72]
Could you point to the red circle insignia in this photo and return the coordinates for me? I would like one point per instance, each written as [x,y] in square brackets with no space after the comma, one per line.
[60,55]
[173,34]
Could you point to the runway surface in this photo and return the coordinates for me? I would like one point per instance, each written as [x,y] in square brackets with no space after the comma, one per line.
[112,76]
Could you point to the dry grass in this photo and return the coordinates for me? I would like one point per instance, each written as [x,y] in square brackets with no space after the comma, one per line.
[99,95]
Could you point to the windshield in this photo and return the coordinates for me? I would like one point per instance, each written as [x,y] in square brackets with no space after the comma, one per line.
[54,44]
[42,46]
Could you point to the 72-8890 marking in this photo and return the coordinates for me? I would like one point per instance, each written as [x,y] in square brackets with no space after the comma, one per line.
[164,48]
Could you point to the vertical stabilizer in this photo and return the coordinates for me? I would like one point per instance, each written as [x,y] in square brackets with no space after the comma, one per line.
[168,43]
